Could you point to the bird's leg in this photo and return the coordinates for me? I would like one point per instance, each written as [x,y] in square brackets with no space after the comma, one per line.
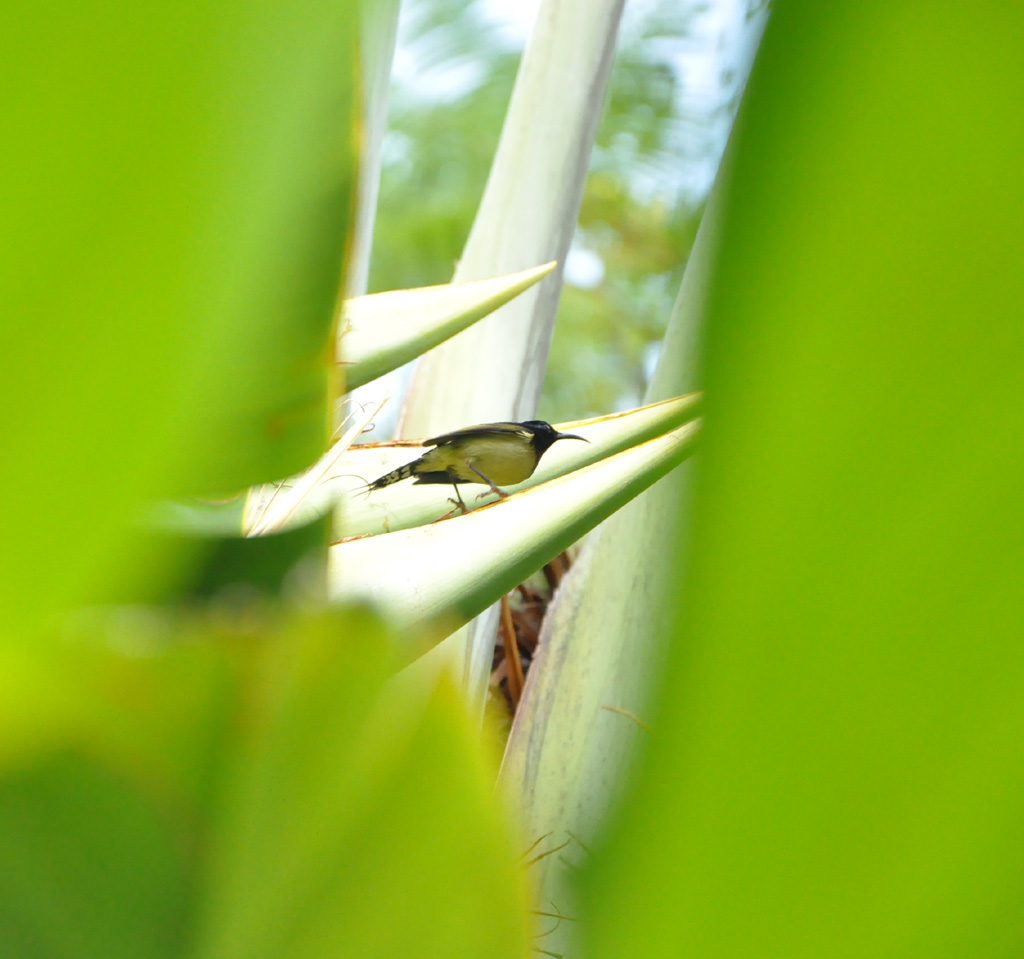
[494,489]
[461,506]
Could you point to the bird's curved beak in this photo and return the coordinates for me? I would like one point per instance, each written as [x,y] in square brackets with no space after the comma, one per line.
[570,436]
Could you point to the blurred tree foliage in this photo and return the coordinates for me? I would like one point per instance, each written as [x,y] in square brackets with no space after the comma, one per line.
[637,220]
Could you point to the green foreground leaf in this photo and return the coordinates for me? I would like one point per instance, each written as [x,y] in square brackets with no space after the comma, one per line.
[172,254]
[172,787]
[836,766]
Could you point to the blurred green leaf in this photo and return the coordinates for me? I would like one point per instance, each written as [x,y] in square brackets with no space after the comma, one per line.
[108,766]
[170,259]
[240,782]
[89,868]
[836,768]
[196,517]
[358,820]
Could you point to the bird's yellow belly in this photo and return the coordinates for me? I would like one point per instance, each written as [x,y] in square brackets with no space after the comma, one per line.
[502,462]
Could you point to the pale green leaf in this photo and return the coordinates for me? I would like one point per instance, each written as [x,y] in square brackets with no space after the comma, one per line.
[405,505]
[580,724]
[382,331]
[446,573]
[528,214]
[273,508]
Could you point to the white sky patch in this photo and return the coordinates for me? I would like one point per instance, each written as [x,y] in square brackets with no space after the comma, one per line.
[584,269]
[514,20]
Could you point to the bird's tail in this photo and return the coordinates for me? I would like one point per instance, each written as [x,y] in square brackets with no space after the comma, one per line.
[395,476]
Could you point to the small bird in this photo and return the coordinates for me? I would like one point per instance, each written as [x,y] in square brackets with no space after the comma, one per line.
[490,454]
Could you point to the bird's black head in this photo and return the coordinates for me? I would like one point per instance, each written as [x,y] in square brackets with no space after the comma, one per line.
[544,434]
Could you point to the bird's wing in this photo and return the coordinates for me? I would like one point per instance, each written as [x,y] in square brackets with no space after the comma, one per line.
[484,429]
